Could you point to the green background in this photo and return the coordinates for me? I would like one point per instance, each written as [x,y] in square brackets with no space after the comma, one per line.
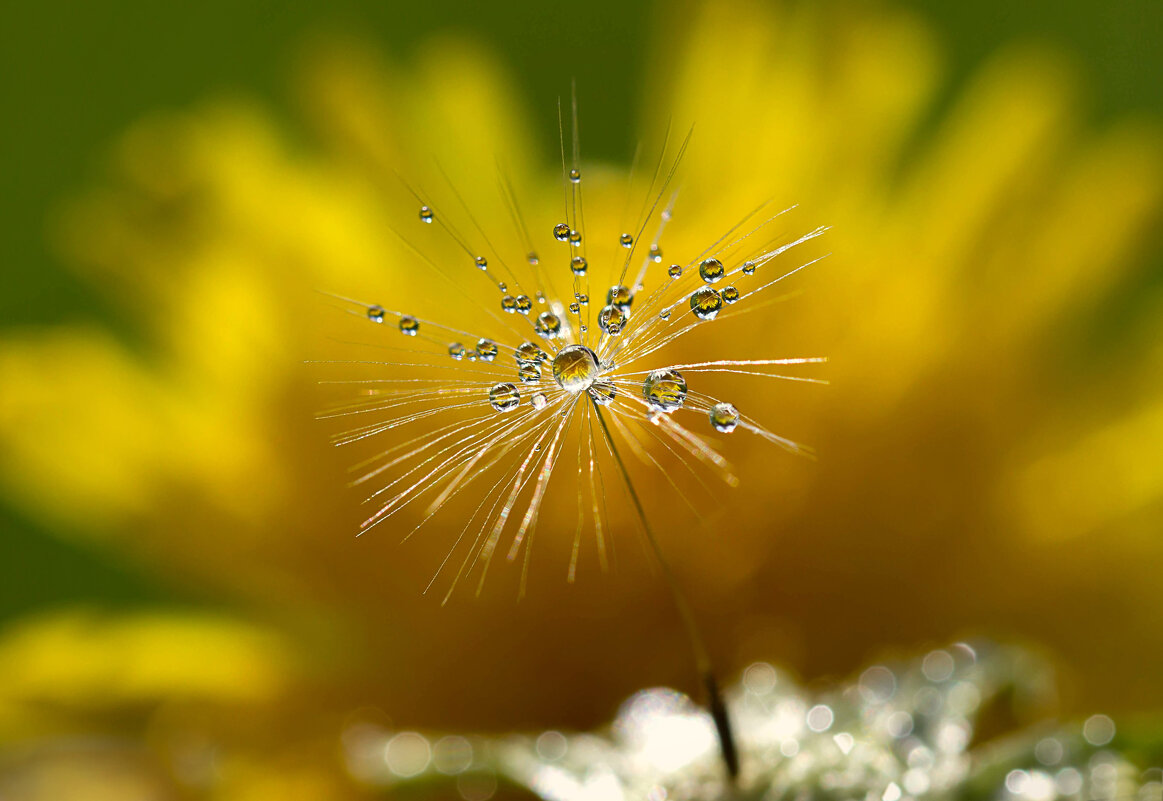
[73,75]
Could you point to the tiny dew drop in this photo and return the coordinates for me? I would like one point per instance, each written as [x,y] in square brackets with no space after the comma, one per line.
[625,240]
[729,294]
[575,237]
[529,372]
[530,353]
[547,325]
[665,313]
[582,298]
[482,262]
[486,350]
[705,303]
[724,417]
[504,397]
[611,319]
[501,285]
[711,270]
[509,304]
[575,175]
[619,296]
[409,325]
[456,351]
[578,265]
[656,254]
[426,214]
[375,314]
[603,392]
[665,390]
[749,268]
[674,271]
[524,304]
[539,401]
[561,232]
[531,257]
[575,308]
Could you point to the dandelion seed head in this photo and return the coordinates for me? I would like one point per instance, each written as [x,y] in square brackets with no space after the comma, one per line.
[553,385]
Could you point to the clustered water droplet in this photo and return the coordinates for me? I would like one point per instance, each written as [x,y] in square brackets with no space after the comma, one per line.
[482,263]
[548,325]
[705,303]
[712,270]
[539,401]
[409,325]
[665,390]
[530,353]
[724,417]
[575,237]
[486,350]
[575,368]
[620,297]
[603,392]
[509,304]
[729,294]
[611,319]
[578,265]
[524,304]
[749,268]
[456,351]
[529,372]
[504,397]
[561,232]
[426,214]
[375,314]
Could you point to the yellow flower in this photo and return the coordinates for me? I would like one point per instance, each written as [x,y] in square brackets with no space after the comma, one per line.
[983,464]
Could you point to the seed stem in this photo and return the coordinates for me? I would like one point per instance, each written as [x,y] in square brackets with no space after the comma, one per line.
[718,708]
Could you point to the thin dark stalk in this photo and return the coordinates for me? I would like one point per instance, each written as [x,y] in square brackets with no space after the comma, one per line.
[715,703]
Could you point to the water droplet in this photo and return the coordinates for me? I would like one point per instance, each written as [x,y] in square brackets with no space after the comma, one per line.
[426,214]
[456,351]
[529,373]
[665,313]
[611,319]
[561,232]
[504,397]
[626,241]
[724,417]
[655,254]
[729,294]
[620,296]
[575,308]
[530,353]
[705,303]
[712,270]
[664,390]
[575,367]
[749,268]
[578,265]
[582,298]
[409,325]
[375,314]
[540,296]
[486,350]
[547,325]
[603,392]
[509,304]
[575,175]
[674,271]
[501,285]
[482,262]
[575,237]
[539,401]
[531,257]
[524,304]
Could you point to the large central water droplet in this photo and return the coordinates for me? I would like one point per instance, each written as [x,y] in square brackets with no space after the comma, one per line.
[575,368]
